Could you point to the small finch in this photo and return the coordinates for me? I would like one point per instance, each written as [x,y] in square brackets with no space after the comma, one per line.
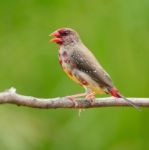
[81,66]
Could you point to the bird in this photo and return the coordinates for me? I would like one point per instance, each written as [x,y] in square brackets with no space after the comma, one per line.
[80,64]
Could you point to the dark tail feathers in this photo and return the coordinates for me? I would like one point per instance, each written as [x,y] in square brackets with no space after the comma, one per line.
[114,92]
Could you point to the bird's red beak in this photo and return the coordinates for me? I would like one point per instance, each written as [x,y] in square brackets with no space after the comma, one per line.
[55,33]
[57,38]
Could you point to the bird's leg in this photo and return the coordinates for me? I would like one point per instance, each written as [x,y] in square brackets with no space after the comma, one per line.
[90,96]
[73,97]
[77,95]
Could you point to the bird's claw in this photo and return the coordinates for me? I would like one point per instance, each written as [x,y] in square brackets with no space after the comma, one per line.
[90,98]
[72,99]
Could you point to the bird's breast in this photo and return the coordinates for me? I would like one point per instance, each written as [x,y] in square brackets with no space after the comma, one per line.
[67,64]
[64,59]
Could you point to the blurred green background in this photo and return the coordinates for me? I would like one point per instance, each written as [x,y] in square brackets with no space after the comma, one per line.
[118,34]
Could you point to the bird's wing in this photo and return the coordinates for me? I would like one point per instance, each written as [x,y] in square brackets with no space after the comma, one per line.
[87,63]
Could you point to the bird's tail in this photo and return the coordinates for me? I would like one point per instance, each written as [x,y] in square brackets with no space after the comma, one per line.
[114,92]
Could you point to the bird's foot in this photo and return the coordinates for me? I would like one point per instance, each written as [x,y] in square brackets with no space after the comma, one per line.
[90,97]
[72,99]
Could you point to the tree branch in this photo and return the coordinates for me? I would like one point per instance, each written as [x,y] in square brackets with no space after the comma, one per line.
[11,97]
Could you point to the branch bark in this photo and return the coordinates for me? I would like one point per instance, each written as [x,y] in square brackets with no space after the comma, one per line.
[11,97]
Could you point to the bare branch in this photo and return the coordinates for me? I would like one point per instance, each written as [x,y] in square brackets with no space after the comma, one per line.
[11,97]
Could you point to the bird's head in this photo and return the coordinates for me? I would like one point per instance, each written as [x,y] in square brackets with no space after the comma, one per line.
[65,36]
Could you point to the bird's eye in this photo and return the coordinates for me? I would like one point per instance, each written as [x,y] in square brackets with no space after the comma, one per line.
[64,33]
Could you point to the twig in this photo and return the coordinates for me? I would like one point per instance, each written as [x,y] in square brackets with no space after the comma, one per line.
[11,97]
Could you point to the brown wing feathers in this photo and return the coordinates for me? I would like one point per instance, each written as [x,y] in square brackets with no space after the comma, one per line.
[95,72]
